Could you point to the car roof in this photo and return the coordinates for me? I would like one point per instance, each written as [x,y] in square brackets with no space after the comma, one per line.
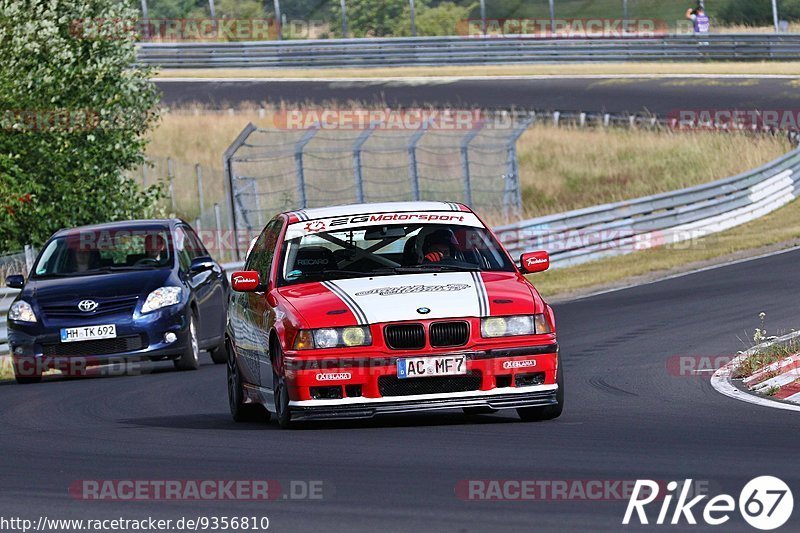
[121,225]
[384,207]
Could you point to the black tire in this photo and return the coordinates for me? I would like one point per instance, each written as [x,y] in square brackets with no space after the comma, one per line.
[548,412]
[281,391]
[190,359]
[240,411]
[219,354]
[26,377]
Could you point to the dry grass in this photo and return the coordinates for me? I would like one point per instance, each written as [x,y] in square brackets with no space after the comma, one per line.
[781,228]
[569,168]
[610,69]
[561,168]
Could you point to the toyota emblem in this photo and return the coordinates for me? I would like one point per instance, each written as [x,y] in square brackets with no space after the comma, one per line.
[87,305]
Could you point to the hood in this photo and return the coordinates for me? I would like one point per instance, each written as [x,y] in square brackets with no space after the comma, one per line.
[396,298]
[117,284]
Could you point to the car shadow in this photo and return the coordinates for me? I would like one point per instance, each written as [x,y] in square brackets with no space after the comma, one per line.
[223,421]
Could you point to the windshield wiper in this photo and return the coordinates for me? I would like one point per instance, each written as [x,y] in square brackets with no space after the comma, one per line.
[335,271]
[436,267]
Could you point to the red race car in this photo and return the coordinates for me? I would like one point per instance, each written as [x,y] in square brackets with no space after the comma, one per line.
[360,310]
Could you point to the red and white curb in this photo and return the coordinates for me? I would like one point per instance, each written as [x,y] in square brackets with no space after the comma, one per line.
[781,374]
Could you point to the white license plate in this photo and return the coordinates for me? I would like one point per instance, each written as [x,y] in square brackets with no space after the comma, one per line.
[422,367]
[88,333]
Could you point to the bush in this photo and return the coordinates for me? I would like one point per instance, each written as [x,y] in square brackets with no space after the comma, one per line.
[433,21]
[74,118]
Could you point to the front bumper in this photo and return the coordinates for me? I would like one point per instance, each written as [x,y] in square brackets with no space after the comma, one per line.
[497,377]
[353,408]
[36,348]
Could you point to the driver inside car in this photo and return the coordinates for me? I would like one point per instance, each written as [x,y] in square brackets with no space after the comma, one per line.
[154,246]
[439,245]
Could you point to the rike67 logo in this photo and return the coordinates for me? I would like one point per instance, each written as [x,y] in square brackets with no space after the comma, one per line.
[765,503]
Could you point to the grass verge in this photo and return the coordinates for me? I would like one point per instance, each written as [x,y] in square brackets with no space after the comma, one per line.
[744,68]
[777,230]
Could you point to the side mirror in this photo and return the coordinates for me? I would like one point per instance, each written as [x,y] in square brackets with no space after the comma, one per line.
[201,264]
[245,281]
[15,282]
[534,262]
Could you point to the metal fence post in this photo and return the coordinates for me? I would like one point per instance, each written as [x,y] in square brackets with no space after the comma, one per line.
[200,196]
[552,17]
[146,21]
[218,235]
[413,18]
[344,18]
[465,161]
[30,256]
[413,169]
[277,6]
[512,194]
[257,200]
[298,164]
[171,178]
[229,188]
[357,147]
[213,12]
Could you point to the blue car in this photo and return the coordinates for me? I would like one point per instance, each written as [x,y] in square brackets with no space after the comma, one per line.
[123,291]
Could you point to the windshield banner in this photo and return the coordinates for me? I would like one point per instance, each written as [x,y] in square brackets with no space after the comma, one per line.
[311,227]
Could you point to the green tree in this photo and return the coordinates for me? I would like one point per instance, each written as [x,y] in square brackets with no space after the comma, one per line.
[73,117]
[369,18]
[447,18]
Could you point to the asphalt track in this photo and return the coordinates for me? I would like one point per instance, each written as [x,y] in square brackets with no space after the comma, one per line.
[613,95]
[626,417]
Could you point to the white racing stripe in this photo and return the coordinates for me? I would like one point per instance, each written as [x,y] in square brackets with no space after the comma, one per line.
[396,298]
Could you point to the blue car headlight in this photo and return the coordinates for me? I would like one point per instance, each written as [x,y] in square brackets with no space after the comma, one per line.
[21,311]
[162,297]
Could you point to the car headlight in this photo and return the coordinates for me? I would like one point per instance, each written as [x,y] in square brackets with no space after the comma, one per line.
[162,297]
[21,311]
[508,326]
[333,338]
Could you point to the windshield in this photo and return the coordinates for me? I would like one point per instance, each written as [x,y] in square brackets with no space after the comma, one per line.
[103,251]
[391,249]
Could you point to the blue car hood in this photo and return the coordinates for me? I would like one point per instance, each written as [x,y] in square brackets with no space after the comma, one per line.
[123,283]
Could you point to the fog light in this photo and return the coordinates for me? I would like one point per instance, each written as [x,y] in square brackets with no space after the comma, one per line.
[170,337]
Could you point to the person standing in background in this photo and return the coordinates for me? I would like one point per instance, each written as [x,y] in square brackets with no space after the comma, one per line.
[699,19]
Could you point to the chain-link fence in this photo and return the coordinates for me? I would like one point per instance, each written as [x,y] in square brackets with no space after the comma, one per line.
[473,161]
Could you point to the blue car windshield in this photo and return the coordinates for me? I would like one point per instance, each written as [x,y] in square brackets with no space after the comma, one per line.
[103,251]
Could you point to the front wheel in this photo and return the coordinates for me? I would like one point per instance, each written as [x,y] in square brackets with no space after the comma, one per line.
[190,359]
[241,411]
[281,390]
[219,354]
[547,412]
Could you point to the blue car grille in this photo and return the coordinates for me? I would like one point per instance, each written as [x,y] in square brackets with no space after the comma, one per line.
[108,306]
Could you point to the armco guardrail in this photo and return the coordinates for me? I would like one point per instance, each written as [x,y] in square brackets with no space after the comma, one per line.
[431,51]
[613,229]
[6,297]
